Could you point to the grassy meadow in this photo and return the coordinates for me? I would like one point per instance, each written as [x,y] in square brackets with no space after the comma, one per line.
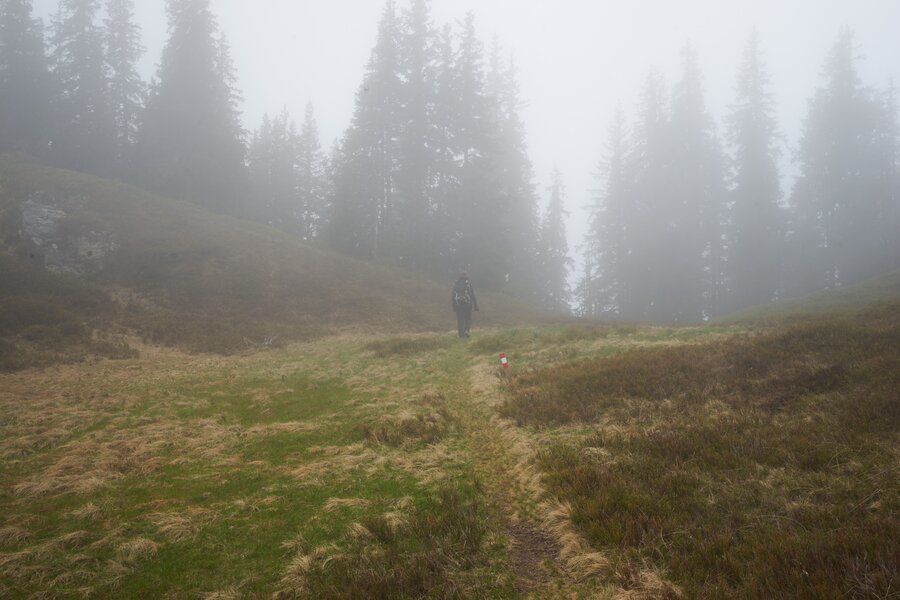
[744,459]
[335,469]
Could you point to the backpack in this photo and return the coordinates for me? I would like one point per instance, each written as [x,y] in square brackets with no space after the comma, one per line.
[462,297]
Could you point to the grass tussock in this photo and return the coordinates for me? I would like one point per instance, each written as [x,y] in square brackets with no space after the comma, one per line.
[394,347]
[761,466]
[429,424]
[393,556]
[13,536]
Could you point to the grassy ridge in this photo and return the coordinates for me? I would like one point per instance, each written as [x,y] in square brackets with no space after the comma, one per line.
[760,466]
[184,277]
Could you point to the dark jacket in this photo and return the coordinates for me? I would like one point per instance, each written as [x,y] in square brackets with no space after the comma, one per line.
[459,287]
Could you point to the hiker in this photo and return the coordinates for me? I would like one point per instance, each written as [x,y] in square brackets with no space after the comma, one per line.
[463,303]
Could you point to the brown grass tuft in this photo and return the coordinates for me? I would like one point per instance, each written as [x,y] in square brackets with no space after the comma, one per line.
[136,550]
[10,536]
[334,504]
[89,511]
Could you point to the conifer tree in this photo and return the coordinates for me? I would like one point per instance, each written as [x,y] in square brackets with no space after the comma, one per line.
[363,219]
[555,262]
[24,80]
[480,208]
[514,168]
[692,208]
[273,162]
[416,137]
[887,254]
[585,293]
[756,224]
[126,88]
[84,136]
[607,245]
[650,163]
[191,141]
[839,195]
[311,186]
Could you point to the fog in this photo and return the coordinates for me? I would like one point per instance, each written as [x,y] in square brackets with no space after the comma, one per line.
[578,59]
[647,160]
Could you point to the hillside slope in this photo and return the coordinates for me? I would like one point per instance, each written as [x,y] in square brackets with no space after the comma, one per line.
[881,289]
[82,255]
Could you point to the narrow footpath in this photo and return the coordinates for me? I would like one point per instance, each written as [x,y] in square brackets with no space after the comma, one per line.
[548,556]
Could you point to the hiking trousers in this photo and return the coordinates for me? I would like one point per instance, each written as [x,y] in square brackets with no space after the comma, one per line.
[463,321]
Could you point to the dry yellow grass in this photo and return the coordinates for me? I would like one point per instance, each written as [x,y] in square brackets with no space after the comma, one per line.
[333,504]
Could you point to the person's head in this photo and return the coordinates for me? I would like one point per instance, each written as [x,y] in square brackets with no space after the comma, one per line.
[463,276]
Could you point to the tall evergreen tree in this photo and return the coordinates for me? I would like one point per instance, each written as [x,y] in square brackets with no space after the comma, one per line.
[445,195]
[839,196]
[311,186]
[416,136]
[692,206]
[650,165]
[273,159]
[126,88]
[24,80]
[85,132]
[585,293]
[481,241]
[191,141]
[555,262]
[887,254]
[362,219]
[756,223]
[514,167]
[607,244]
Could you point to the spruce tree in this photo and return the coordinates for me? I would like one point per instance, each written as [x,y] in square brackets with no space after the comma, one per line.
[191,141]
[650,164]
[514,168]
[416,136]
[607,253]
[310,179]
[363,222]
[273,158]
[481,242]
[756,225]
[887,254]
[84,132]
[555,262]
[691,209]
[839,196]
[24,80]
[126,88]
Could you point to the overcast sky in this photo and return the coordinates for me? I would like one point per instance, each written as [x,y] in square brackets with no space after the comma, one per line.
[578,59]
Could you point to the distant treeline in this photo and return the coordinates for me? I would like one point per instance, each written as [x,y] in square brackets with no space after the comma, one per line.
[433,172]
[686,226]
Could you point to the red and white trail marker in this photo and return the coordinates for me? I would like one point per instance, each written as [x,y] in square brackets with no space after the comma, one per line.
[503,361]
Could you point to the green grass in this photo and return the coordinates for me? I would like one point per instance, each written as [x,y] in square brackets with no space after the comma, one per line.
[225,476]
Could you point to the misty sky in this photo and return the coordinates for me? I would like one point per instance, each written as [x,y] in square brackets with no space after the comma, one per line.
[578,59]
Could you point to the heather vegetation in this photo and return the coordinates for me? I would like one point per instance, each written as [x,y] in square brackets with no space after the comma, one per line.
[758,464]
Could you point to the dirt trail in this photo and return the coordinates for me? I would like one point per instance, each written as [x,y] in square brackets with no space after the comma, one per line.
[549,558]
